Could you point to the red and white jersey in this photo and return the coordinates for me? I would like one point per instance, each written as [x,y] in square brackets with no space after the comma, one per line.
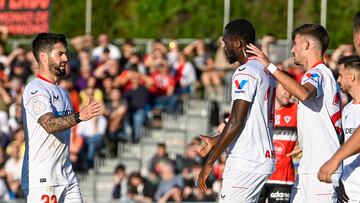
[351,165]
[285,136]
[46,160]
[319,120]
[253,150]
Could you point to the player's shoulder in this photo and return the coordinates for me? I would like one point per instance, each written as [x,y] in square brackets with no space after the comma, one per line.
[34,87]
[252,68]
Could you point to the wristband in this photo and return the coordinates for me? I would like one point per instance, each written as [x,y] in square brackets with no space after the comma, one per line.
[77,117]
[271,68]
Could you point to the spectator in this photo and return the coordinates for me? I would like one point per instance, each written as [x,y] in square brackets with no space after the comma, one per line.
[210,77]
[116,110]
[85,74]
[140,189]
[185,75]
[167,183]
[103,40]
[120,183]
[91,91]
[137,98]
[128,48]
[160,157]
[93,132]
[164,88]
[172,56]
[4,192]
[13,170]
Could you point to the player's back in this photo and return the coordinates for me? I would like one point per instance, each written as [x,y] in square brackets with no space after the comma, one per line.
[319,120]
[46,156]
[253,150]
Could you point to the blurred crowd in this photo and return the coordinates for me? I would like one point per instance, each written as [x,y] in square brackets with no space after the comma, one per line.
[137,87]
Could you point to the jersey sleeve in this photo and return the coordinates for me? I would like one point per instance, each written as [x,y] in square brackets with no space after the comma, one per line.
[315,78]
[244,87]
[37,102]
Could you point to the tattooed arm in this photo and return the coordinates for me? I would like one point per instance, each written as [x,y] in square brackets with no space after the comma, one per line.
[53,124]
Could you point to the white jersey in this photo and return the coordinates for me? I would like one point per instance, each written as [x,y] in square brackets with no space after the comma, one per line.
[46,159]
[252,150]
[319,120]
[351,165]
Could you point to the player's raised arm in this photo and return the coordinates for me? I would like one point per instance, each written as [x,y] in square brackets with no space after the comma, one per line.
[53,124]
[302,92]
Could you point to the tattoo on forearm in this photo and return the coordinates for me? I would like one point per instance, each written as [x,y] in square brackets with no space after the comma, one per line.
[54,124]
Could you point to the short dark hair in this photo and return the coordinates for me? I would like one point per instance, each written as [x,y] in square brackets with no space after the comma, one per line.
[315,30]
[352,62]
[356,22]
[119,167]
[45,42]
[241,28]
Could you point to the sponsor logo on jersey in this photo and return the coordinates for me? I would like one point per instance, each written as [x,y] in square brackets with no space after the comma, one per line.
[34,92]
[270,154]
[287,119]
[240,85]
[63,113]
[349,130]
[242,68]
[312,76]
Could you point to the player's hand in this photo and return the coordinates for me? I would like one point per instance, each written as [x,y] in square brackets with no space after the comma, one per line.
[258,54]
[209,143]
[90,110]
[294,152]
[327,169]
[204,174]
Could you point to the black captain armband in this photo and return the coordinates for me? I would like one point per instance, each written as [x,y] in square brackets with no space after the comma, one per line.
[77,117]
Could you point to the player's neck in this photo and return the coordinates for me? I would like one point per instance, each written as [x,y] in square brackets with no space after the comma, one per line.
[47,77]
[311,62]
[355,94]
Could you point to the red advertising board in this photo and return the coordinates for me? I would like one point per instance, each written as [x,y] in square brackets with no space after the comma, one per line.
[25,17]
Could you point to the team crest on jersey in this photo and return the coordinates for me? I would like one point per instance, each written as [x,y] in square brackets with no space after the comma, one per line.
[39,107]
[240,85]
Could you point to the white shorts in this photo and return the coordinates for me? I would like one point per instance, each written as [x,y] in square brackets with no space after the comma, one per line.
[54,194]
[241,186]
[352,191]
[308,189]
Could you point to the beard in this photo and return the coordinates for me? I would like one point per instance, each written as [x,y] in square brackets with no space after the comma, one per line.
[231,57]
[59,70]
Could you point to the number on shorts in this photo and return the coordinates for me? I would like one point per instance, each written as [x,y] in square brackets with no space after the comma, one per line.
[48,199]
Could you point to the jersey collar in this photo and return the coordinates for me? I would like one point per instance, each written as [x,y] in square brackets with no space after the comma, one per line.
[43,78]
[317,63]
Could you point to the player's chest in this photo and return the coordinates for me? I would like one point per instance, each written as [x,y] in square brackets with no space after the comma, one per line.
[60,102]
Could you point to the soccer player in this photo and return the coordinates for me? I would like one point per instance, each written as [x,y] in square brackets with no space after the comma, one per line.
[248,133]
[47,174]
[349,79]
[319,112]
[278,187]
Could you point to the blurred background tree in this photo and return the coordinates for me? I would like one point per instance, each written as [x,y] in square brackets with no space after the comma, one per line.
[197,18]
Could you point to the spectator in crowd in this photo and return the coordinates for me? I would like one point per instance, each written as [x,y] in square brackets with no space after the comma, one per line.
[151,59]
[13,170]
[164,88]
[160,157]
[93,132]
[185,75]
[169,185]
[104,42]
[77,154]
[140,189]
[172,56]
[137,98]
[120,188]
[109,68]
[4,33]
[115,111]
[135,60]
[356,32]
[211,78]
[128,48]
[5,101]
[91,91]
[15,113]
[82,42]
[4,191]
[85,74]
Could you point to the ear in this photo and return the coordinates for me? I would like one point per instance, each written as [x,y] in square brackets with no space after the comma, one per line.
[43,56]
[306,44]
[238,44]
[352,76]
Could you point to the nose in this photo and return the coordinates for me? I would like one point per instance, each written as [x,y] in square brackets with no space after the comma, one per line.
[65,57]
